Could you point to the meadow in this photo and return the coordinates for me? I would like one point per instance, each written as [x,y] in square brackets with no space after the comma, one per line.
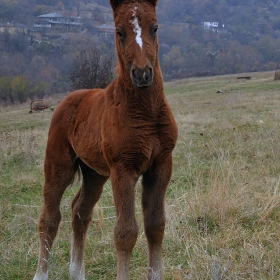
[222,205]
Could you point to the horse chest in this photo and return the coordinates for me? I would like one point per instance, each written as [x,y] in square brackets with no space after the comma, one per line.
[133,146]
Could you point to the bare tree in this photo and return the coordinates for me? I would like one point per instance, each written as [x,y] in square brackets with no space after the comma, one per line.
[91,70]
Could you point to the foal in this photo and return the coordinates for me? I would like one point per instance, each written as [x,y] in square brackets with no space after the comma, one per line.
[122,132]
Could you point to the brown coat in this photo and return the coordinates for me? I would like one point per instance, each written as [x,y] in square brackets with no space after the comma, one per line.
[122,132]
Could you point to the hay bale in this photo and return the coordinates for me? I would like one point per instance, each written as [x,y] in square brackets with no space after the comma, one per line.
[38,105]
[277,75]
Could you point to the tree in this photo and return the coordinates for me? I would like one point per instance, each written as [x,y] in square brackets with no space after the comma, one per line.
[40,10]
[60,6]
[19,88]
[38,90]
[7,9]
[5,90]
[172,62]
[91,70]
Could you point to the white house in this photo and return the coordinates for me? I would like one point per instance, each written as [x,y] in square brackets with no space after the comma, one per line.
[212,25]
[55,20]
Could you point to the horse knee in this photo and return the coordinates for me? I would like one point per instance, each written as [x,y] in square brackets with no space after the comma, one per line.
[80,222]
[155,231]
[125,236]
[81,216]
[49,221]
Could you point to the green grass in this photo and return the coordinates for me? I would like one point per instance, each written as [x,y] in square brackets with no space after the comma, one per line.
[222,205]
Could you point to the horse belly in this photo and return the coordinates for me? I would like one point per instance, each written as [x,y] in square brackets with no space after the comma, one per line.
[98,165]
[93,157]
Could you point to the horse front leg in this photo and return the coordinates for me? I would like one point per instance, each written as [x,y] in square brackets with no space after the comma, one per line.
[126,229]
[155,182]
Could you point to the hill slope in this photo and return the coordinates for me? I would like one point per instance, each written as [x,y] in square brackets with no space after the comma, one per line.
[247,39]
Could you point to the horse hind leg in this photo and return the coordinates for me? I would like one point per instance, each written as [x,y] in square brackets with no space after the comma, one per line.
[59,170]
[82,208]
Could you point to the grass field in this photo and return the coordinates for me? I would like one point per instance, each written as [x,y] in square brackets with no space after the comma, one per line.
[222,206]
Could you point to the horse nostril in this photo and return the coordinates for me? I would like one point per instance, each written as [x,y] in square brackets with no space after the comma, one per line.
[148,74]
[142,77]
[136,75]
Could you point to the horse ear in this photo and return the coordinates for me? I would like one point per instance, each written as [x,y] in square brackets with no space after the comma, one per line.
[153,2]
[115,3]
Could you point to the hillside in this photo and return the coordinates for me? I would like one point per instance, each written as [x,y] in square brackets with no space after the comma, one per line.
[246,39]
[248,15]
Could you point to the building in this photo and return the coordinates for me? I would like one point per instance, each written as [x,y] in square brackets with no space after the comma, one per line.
[13,28]
[58,21]
[210,25]
[104,30]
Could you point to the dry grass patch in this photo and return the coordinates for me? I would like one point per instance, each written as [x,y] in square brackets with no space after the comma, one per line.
[222,205]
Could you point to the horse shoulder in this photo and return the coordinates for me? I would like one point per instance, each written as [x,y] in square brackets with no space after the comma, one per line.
[87,108]
[167,128]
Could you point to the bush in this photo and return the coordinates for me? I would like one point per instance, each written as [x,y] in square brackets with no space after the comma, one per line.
[91,70]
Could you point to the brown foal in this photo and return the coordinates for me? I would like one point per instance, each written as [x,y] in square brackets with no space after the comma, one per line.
[122,132]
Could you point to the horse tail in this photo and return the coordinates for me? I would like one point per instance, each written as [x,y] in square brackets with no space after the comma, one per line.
[77,171]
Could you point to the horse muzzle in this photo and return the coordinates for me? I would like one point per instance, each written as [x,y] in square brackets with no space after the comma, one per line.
[141,77]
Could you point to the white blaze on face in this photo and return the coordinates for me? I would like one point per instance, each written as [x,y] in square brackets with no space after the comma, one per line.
[137,29]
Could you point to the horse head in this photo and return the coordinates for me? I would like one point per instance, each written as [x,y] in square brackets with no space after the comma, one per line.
[136,39]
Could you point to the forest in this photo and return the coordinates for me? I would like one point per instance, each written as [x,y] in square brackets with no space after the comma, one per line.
[247,39]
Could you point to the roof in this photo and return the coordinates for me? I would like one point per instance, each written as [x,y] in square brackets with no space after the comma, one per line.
[51,15]
[12,24]
[106,26]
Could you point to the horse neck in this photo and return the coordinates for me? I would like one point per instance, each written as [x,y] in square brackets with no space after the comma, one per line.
[144,101]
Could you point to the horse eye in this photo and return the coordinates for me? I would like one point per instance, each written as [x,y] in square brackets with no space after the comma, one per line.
[155,30]
[120,35]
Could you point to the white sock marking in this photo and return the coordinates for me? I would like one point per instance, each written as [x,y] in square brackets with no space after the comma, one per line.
[137,29]
[41,276]
[77,272]
[77,268]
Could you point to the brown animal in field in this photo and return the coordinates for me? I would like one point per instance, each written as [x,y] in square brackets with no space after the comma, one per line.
[277,74]
[123,132]
[38,105]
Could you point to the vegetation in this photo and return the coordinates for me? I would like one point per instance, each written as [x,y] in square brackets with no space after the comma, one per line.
[19,89]
[222,205]
[249,40]
[91,70]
